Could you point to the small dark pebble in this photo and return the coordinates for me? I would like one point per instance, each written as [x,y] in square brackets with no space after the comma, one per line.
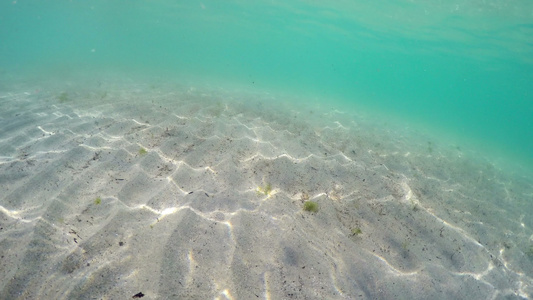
[121,243]
[138,295]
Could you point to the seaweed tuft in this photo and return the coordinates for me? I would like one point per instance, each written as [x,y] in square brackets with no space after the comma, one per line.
[311,206]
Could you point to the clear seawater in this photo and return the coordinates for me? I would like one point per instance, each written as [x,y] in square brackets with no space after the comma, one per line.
[169,148]
[462,70]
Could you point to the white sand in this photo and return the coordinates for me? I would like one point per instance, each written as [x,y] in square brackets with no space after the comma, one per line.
[185,220]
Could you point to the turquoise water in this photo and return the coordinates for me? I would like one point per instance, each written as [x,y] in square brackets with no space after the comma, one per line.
[168,149]
[461,69]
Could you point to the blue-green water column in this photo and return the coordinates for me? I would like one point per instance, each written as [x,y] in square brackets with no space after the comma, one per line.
[461,69]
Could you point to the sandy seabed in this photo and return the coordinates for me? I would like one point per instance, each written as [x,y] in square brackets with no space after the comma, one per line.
[128,190]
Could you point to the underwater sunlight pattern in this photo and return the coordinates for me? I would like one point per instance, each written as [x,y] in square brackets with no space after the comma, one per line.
[266,149]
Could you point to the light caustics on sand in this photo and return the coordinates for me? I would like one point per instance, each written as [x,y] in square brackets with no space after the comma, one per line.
[226,183]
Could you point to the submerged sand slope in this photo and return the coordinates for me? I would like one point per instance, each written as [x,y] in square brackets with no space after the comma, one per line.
[183,193]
